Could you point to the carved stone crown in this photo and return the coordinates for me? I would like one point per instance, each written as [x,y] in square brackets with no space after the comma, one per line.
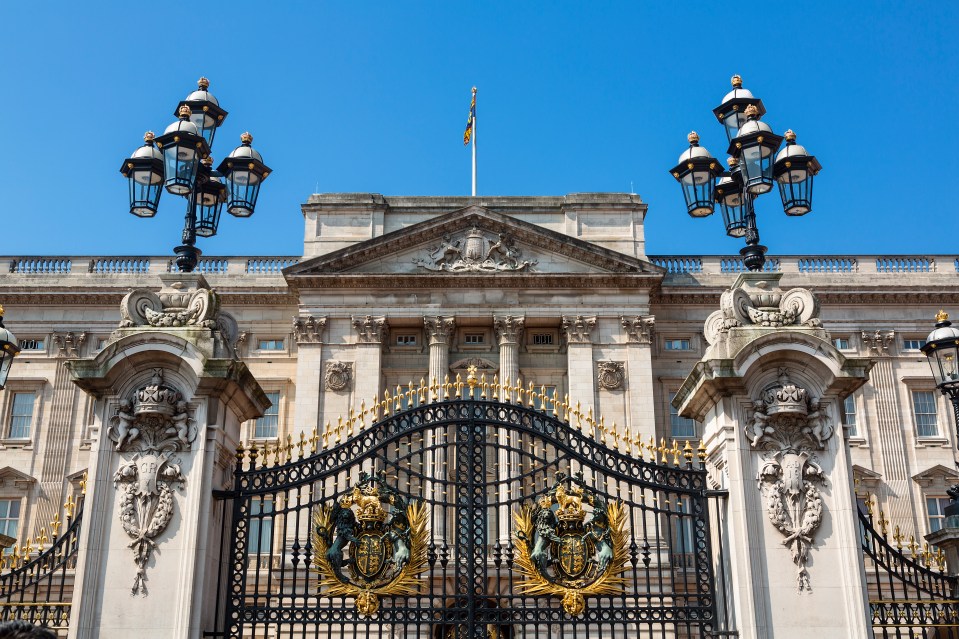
[788,400]
[155,398]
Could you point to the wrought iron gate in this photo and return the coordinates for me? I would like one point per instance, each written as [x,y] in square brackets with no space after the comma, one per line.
[445,513]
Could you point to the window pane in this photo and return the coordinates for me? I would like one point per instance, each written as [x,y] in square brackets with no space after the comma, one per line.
[21,415]
[849,408]
[934,508]
[924,409]
[268,426]
[679,426]
[9,517]
[677,345]
[261,528]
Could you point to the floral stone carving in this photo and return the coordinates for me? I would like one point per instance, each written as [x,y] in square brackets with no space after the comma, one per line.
[611,375]
[339,375]
[475,252]
[153,425]
[183,301]
[789,426]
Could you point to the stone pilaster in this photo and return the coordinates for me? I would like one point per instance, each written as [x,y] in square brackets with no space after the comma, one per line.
[370,335]
[308,333]
[639,370]
[579,354]
[509,334]
[439,332]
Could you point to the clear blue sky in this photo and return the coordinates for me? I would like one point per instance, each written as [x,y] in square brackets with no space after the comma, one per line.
[573,96]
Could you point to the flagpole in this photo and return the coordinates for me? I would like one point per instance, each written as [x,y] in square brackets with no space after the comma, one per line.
[474,146]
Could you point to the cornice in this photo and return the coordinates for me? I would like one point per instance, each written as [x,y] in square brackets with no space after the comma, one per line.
[638,281]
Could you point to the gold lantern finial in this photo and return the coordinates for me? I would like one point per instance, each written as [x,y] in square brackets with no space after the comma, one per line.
[790,135]
[184,112]
[941,316]
[736,81]
[246,137]
[751,111]
[203,83]
[693,137]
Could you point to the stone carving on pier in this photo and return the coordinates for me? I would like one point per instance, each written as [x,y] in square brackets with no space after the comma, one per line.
[338,375]
[475,252]
[756,300]
[639,330]
[509,328]
[69,343]
[370,330]
[439,329]
[612,375]
[579,329]
[179,303]
[878,342]
[308,329]
[789,426]
[148,430]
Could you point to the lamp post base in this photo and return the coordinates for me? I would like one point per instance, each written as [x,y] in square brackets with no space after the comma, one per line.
[754,256]
[187,257]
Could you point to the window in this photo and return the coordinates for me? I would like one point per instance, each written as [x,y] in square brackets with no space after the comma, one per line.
[32,344]
[542,339]
[849,412]
[913,344]
[550,393]
[267,426]
[677,344]
[679,426]
[924,409]
[934,509]
[21,415]
[261,524]
[270,345]
[682,525]
[406,340]
[473,338]
[842,343]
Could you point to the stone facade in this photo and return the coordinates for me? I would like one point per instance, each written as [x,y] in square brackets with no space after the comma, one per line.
[555,291]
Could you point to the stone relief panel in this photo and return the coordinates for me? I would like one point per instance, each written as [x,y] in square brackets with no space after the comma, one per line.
[788,427]
[308,329]
[878,342]
[612,375]
[579,330]
[370,330]
[148,430]
[475,251]
[338,375]
[639,329]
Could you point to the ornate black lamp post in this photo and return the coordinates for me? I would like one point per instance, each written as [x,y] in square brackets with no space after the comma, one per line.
[942,352]
[8,350]
[179,161]
[754,166]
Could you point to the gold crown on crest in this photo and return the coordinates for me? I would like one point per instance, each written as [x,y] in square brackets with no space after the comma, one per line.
[367,502]
[570,504]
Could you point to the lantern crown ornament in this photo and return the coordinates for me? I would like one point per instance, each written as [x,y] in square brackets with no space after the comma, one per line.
[8,350]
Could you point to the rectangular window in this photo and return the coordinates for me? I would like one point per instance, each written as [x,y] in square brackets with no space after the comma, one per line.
[9,518]
[842,343]
[677,344]
[682,524]
[21,415]
[32,344]
[406,340]
[267,426]
[924,409]
[934,508]
[261,524]
[474,338]
[679,427]
[550,393]
[542,339]
[270,345]
[913,344]
[849,411]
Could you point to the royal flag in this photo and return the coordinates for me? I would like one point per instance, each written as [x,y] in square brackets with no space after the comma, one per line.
[468,133]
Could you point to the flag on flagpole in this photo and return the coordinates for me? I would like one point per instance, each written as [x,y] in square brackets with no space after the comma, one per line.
[468,134]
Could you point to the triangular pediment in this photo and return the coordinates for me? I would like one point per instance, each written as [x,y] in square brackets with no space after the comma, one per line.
[10,476]
[937,474]
[473,241]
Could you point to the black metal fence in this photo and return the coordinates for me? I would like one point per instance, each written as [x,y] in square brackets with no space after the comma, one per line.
[449,514]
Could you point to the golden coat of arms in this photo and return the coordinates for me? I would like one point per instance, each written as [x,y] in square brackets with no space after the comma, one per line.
[370,542]
[563,551]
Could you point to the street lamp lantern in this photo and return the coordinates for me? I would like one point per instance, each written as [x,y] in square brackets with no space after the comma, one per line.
[181,162]
[732,112]
[244,172]
[145,172]
[794,170]
[205,110]
[942,351]
[696,173]
[753,168]
[8,350]
[183,147]
[755,147]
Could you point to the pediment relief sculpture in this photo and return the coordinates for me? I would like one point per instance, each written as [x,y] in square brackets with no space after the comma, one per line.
[475,251]
[149,428]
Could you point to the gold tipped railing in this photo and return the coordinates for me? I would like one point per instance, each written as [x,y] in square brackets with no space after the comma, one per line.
[624,440]
[921,554]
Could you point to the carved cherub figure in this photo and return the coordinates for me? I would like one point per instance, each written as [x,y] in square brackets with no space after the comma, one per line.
[181,424]
[818,426]
[758,429]
[126,431]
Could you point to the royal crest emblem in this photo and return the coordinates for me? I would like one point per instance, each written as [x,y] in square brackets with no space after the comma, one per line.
[566,552]
[370,542]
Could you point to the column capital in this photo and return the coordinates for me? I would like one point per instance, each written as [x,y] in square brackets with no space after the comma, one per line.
[69,343]
[579,329]
[639,329]
[369,329]
[439,328]
[509,328]
[878,342]
[308,329]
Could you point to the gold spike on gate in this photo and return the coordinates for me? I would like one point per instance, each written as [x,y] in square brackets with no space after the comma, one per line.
[688,452]
[447,387]
[701,452]
[434,390]
[55,525]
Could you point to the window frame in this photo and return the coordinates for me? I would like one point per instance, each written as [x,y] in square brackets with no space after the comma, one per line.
[837,342]
[939,499]
[852,430]
[908,349]
[278,406]
[667,340]
[671,412]
[257,527]
[938,435]
[282,341]
[12,388]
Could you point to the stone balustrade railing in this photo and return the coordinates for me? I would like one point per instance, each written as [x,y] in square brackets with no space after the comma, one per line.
[273,265]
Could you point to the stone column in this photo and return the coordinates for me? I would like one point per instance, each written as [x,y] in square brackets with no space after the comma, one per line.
[509,334]
[640,412]
[370,334]
[308,334]
[770,396]
[439,332]
[165,437]
[579,354]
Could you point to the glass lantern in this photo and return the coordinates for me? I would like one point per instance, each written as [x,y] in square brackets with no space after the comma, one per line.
[696,173]
[145,173]
[208,200]
[794,171]
[205,111]
[244,172]
[183,148]
[731,113]
[942,352]
[755,147]
[733,200]
[8,350]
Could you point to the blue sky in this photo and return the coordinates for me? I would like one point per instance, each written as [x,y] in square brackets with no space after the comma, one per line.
[573,96]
